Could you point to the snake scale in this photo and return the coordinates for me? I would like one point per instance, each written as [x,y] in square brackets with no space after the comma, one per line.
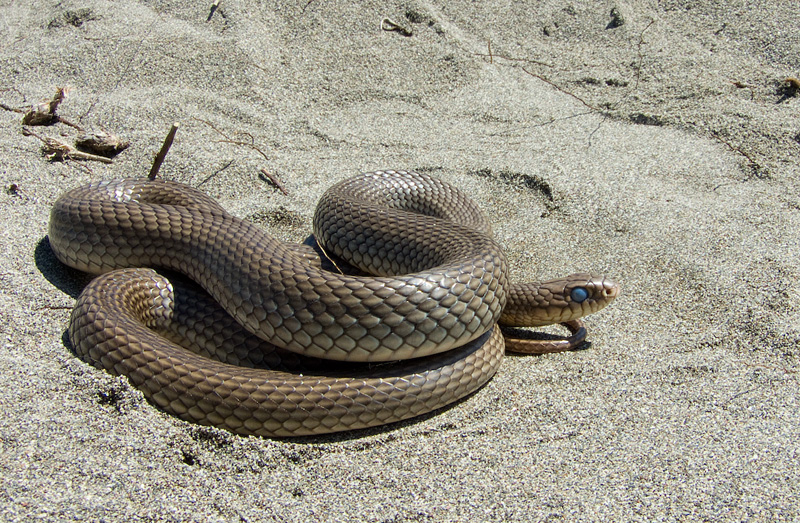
[275,343]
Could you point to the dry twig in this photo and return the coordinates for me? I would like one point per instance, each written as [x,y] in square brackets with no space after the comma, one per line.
[755,167]
[15,190]
[275,181]
[12,109]
[213,10]
[251,144]
[328,257]
[45,112]
[561,89]
[159,159]
[639,52]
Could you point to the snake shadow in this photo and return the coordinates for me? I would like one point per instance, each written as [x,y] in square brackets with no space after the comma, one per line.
[66,279]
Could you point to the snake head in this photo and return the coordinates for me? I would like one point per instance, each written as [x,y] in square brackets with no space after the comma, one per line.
[558,301]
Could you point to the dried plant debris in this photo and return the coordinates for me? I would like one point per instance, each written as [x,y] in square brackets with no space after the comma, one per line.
[387,24]
[617,19]
[250,142]
[791,86]
[102,143]
[45,112]
[56,150]
[73,18]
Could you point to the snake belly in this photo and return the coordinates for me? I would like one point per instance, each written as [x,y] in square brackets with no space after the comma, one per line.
[438,282]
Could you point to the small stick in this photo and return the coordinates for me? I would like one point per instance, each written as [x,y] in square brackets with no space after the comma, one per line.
[387,24]
[275,181]
[60,119]
[45,112]
[639,52]
[252,145]
[214,7]
[565,91]
[15,190]
[12,109]
[492,55]
[491,58]
[159,159]
[215,173]
[55,308]
[755,167]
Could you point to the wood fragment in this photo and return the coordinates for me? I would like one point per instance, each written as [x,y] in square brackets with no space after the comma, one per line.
[275,181]
[492,55]
[55,307]
[387,24]
[639,53]
[213,10]
[45,113]
[14,189]
[159,159]
[59,119]
[307,4]
[12,109]
[327,257]
[755,167]
[792,85]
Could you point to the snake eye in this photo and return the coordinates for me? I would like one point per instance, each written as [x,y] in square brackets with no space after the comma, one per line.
[579,294]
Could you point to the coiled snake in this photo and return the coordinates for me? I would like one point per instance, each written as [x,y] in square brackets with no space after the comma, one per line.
[417,316]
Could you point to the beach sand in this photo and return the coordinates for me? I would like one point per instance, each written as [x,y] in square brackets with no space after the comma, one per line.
[657,145]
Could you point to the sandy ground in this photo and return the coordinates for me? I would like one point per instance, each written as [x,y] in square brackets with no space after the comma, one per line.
[656,145]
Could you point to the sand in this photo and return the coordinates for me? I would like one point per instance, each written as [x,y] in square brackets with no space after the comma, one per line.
[657,145]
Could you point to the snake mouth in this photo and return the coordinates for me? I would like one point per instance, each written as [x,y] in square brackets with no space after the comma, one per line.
[607,292]
[611,290]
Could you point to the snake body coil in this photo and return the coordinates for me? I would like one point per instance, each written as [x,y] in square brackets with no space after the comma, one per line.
[436,289]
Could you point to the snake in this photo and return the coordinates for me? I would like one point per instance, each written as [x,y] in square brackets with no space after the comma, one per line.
[391,311]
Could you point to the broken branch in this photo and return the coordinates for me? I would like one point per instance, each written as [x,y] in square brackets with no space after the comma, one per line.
[159,159]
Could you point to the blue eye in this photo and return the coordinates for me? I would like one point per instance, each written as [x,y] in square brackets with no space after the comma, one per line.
[579,294]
